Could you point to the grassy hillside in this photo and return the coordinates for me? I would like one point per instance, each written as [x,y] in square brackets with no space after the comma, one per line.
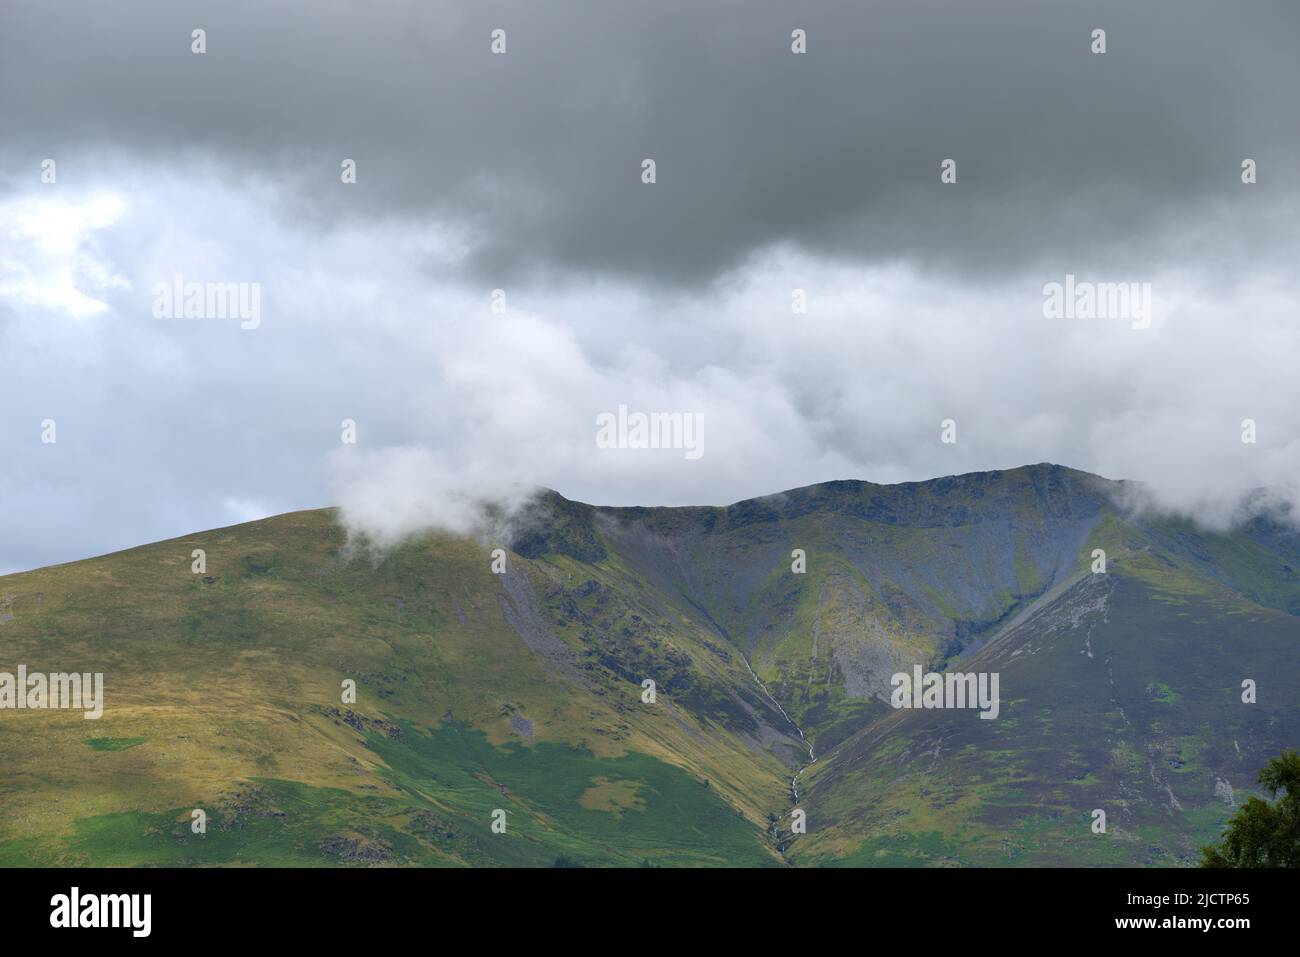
[1118,696]
[224,693]
[522,692]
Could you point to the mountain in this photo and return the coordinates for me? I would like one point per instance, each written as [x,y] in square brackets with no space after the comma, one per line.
[522,691]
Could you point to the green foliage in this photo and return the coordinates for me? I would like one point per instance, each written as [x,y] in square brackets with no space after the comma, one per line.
[1263,834]
[114,744]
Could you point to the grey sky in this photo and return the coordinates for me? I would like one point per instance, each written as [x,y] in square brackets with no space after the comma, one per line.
[521,172]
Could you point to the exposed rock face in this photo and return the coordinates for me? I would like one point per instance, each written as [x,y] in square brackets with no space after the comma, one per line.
[357,849]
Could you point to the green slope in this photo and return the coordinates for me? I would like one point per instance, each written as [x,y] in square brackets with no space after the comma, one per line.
[1119,695]
[227,684]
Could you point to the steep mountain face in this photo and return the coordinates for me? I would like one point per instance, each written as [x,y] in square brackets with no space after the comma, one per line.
[771,630]
[1119,695]
[894,575]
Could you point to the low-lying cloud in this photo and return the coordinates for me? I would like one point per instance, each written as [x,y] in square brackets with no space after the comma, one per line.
[388,495]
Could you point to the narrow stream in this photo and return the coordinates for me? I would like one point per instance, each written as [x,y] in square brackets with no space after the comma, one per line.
[812,757]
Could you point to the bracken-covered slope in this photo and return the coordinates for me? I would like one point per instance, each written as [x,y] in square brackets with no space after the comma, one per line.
[522,692]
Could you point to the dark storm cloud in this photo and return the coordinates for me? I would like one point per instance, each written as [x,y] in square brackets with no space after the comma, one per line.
[1064,157]
[818,172]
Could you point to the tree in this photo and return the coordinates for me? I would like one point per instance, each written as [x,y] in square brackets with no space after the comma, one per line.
[1261,834]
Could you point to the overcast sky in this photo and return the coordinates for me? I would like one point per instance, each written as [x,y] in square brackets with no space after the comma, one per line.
[522,171]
